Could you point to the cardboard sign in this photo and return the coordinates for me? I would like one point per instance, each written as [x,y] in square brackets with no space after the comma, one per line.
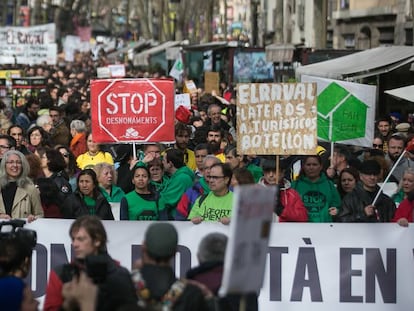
[117,71]
[211,82]
[103,72]
[246,249]
[132,110]
[276,118]
[189,87]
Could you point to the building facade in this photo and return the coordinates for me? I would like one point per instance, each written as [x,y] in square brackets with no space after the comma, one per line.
[367,24]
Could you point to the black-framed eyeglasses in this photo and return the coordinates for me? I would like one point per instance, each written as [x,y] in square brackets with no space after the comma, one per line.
[214,177]
[4,147]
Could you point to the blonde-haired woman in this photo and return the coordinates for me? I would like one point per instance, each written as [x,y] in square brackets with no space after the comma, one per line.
[406,186]
[19,198]
[107,177]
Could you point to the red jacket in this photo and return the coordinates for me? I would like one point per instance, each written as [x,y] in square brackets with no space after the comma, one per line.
[78,144]
[53,299]
[294,210]
[404,210]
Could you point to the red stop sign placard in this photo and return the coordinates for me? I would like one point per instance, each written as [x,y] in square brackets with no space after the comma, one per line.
[132,110]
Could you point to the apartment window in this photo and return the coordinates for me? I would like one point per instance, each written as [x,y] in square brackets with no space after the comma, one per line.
[349,41]
[344,4]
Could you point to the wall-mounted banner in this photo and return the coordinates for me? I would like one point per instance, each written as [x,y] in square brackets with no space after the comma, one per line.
[346,111]
[276,118]
[28,45]
[324,267]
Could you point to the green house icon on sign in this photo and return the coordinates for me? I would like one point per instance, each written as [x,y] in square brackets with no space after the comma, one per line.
[341,116]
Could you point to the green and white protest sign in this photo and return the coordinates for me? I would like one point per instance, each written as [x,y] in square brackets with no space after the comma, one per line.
[346,111]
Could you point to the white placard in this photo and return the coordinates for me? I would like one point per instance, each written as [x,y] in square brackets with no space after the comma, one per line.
[182,100]
[249,238]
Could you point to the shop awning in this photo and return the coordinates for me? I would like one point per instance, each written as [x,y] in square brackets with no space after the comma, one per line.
[361,64]
[405,92]
[128,50]
[208,46]
[142,59]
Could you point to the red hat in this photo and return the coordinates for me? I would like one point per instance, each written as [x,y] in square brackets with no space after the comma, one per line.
[183,114]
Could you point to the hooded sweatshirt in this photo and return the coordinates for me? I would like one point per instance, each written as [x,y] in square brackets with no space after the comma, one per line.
[318,197]
[178,183]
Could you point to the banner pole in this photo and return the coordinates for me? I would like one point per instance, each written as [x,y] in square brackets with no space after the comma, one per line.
[388,177]
[277,167]
[134,151]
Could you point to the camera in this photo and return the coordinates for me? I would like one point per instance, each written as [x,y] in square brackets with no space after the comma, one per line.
[16,246]
[13,230]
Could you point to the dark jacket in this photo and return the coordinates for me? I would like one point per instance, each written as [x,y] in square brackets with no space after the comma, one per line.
[60,134]
[114,292]
[158,280]
[74,207]
[210,274]
[353,204]
[61,180]
[125,176]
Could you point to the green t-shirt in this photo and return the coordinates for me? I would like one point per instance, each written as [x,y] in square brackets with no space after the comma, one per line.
[213,208]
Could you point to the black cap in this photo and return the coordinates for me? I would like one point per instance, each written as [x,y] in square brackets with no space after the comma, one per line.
[370,167]
[161,240]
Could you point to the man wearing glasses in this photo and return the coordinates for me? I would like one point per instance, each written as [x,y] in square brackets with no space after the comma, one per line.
[6,143]
[217,205]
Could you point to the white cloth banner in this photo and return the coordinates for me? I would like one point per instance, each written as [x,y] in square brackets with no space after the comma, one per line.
[28,45]
[363,267]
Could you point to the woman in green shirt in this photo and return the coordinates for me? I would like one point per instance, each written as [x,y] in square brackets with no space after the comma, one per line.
[142,202]
[87,199]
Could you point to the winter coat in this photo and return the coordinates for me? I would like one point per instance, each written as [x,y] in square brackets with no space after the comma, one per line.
[75,206]
[404,210]
[26,202]
[189,197]
[354,203]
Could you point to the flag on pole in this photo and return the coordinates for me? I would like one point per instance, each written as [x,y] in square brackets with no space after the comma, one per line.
[178,68]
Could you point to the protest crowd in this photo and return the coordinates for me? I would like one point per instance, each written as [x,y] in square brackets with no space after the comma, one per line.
[51,167]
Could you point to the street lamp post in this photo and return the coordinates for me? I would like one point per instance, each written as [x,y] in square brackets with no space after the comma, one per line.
[174,4]
[255,27]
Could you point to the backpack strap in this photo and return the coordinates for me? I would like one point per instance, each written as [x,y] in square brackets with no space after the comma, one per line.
[202,198]
[167,301]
